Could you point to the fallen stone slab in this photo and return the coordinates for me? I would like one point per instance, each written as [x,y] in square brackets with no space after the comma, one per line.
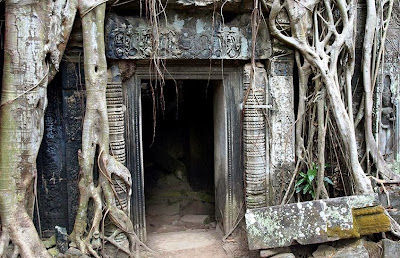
[390,248]
[196,219]
[315,221]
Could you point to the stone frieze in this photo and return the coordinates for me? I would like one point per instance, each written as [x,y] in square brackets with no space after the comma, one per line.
[198,36]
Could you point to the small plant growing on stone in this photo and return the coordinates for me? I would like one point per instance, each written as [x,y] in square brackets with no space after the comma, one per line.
[305,182]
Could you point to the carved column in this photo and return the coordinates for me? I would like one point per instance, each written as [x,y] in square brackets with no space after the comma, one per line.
[116,119]
[281,122]
[255,137]
[116,109]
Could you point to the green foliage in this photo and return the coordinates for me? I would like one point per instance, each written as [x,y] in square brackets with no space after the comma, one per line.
[305,181]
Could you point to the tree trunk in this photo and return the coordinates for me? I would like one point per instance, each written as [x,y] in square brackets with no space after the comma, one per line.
[28,57]
[95,136]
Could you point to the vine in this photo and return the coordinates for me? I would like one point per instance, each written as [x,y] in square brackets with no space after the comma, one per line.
[323,35]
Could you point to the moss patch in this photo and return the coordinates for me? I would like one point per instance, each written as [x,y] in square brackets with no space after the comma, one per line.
[371,220]
[366,221]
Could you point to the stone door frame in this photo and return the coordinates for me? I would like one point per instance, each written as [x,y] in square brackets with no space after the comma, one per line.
[227,124]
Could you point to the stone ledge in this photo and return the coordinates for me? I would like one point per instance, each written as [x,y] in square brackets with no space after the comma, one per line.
[315,221]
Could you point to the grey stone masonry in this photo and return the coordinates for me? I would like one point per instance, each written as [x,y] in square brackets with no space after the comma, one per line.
[315,221]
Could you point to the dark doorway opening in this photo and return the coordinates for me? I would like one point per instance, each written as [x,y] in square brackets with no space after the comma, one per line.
[178,154]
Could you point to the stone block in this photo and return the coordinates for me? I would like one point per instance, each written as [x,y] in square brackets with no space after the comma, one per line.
[163,209]
[284,255]
[390,248]
[395,214]
[196,219]
[274,251]
[324,251]
[348,248]
[315,221]
[61,239]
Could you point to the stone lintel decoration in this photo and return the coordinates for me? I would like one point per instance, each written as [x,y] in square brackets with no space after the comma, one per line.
[200,35]
[315,221]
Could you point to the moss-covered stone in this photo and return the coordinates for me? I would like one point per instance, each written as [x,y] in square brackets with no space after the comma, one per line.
[371,220]
[315,221]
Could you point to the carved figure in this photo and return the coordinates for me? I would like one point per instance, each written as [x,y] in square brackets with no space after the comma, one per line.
[387,118]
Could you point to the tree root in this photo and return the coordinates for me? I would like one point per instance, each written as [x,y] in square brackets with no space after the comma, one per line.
[4,241]
[322,125]
[96,136]
[323,55]
[394,226]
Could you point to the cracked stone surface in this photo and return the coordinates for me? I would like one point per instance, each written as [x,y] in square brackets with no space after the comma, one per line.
[315,221]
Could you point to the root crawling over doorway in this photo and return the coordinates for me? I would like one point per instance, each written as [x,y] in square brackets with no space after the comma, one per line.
[322,33]
[90,238]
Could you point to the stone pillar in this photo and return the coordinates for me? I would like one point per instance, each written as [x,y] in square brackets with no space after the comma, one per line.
[281,123]
[116,119]
[255,137]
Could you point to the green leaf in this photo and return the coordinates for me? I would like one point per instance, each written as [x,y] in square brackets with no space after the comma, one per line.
[298,189]
[300,182]
[328,180]
[306,189]
[303,175]
[312,172]
[311,175]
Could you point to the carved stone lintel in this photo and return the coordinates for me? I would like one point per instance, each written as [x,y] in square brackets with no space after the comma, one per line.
[199,36]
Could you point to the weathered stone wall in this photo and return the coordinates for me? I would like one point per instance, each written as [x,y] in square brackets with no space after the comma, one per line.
[282,126]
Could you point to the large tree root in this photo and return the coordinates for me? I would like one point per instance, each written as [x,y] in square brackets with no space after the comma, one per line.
[321,39]
[88,238]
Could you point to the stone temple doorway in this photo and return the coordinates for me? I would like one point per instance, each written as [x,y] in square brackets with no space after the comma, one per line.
[196,154]
[178,154]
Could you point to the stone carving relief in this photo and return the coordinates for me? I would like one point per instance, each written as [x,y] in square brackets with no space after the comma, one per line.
[194,37]
[389,90]
[387,118]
